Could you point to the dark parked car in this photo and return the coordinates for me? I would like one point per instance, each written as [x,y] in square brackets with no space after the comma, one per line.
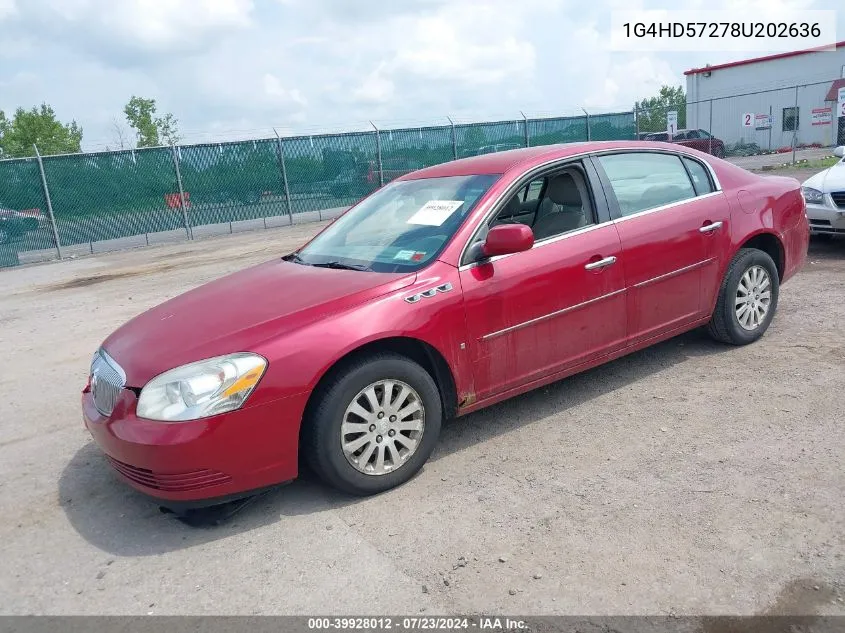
[14,224]
[698,139]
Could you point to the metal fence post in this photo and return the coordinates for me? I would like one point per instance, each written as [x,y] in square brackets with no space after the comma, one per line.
[636,122]
[50,215]
[525,123]
[771,125]
[795,125]
[588,124]
[454,139]
[378,150]
[188,232]
[710,130]
[284,174]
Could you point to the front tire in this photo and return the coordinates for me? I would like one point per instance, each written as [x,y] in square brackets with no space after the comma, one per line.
[747,300]
[373,425]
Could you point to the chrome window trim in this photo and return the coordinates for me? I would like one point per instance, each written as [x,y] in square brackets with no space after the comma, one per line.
[495,206]
[551,315]
[663,207]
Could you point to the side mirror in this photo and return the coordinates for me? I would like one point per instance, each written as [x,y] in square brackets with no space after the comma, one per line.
[506,239]
[839,152]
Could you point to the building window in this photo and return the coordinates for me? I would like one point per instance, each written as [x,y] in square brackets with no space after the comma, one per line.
[790,119]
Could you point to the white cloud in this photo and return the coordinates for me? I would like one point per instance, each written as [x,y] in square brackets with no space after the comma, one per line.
[156,27]
[7,8]
[468,43]
[273,88]
[376,88]
[236,68]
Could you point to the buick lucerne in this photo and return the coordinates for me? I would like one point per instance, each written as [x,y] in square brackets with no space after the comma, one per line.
[447,290]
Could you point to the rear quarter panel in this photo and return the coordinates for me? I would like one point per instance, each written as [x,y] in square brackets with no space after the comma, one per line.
[774,205]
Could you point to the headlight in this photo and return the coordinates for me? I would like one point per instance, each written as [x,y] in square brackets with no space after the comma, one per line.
[812,195]
[201,389]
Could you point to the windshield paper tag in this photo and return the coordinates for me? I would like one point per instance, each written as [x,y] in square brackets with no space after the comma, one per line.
[435,212]
[410,256]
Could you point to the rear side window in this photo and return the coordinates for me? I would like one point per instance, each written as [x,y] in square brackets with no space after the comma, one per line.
[700,177]
[643,181]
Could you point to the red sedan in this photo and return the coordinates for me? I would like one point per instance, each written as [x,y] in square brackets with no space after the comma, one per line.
[445,291]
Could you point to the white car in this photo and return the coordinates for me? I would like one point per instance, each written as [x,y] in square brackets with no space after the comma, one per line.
[825,196]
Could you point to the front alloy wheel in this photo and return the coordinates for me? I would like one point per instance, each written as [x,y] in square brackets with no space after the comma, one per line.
[382,427]
[372,423]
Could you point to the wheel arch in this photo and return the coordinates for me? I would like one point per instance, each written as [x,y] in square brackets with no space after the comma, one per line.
[417,350]
[770,244]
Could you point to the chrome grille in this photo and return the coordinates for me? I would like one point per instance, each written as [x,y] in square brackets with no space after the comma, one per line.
[838,199]
[107,380]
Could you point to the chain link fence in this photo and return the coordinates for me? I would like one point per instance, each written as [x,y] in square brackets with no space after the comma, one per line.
[63,206]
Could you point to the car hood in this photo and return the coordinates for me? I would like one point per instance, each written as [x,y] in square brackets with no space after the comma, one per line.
[237,312]
[831,179]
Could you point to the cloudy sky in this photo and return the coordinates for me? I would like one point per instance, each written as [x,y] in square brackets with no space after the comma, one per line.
[236,68]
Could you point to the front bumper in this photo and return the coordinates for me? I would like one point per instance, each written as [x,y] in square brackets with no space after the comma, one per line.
[201,462]
[826,220]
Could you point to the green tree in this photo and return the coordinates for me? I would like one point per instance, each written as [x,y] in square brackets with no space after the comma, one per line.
[651,112]
[38,126]
[150,129]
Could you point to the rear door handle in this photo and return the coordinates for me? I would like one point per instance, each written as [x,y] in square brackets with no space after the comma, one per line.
[602,263]
[709,228]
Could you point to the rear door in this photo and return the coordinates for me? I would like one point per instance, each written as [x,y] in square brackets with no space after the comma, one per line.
[666,230]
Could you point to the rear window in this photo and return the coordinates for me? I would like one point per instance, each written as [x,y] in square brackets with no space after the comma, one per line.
[642,180]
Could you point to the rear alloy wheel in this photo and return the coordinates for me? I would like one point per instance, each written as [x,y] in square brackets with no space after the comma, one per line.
[747,299]
[374,425]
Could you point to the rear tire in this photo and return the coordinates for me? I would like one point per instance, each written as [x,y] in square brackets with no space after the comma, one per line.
[748,299]
[363,440]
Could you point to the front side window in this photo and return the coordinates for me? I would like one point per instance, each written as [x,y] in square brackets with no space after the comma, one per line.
[400,228]
[565,205]
[643,181]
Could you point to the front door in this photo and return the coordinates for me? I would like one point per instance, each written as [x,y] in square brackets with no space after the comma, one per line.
[557,305]
[666,231]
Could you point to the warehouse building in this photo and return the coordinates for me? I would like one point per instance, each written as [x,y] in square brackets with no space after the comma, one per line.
[790,97]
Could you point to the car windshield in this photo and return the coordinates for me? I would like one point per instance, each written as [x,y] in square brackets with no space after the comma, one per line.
[400,228]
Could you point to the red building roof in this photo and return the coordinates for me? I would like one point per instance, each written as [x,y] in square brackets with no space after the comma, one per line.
[743,62]
[833,93]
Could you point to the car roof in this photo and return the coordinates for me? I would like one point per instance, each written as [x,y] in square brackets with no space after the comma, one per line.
[525,158]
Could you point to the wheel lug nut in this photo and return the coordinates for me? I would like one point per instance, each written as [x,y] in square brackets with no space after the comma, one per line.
[379,438]
[372,427]
[380,415]
[391,432]
[393,418]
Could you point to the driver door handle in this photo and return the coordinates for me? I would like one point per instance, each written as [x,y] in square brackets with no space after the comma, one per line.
[602,263]
[709,228]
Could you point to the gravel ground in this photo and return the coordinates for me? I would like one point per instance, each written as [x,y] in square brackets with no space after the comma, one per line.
[688,478]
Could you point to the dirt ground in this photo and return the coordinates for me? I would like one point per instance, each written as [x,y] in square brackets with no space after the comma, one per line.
[689,478]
